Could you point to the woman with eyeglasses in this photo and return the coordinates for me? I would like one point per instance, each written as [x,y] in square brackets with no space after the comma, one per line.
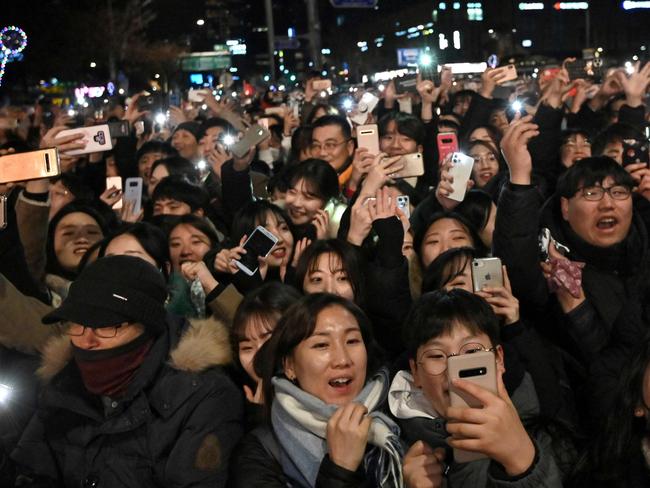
[451,323]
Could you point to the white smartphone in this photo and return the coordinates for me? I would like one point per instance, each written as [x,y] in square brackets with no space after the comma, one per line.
[405,105]
[133,193]
[479,368]
[115,181]
[486,272]
[258,245]
[509,71]
[403,203]
[197,96]
[96,137]
[461,170]
[368,137]
[365,106]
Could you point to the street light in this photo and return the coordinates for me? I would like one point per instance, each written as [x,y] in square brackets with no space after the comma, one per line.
[200,22]
[93,64]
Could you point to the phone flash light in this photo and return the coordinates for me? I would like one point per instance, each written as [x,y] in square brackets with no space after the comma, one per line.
[323,94]
[160,118]
[201,165]
[5,393]
[517,106]
[347,104]
[72,113]
[228,139]
[426,60]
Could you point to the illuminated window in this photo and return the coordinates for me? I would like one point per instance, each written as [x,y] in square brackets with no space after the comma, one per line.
[475,11]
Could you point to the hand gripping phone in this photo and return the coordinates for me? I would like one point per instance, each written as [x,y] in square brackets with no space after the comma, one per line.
[252,137]
[509,71]
[635,152]
[31,165]
[413,165]
[368,137]
[96,137]
[115,181]
[406,84]
[486,272]
[447,143]
[133,193]
[461,170]
[258,245]
[479,368]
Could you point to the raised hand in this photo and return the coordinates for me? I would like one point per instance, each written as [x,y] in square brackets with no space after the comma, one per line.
[347,435]
[514,147]
[494,430]
[636,84]
[423,467]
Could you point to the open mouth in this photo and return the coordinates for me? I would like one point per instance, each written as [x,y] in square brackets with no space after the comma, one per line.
[606,223]
[340,383]
[80,251]
[279,252]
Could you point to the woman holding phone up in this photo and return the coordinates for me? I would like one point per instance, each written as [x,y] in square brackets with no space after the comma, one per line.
[323,390]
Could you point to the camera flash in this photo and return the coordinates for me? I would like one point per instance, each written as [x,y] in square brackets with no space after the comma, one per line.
[160,118]
[516,106]
[228,139]
[201,165]
[347,104]
[72,113]
[5,392]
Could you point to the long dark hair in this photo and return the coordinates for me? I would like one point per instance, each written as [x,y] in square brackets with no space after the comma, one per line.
[296,325]
[350,261]
[617,445]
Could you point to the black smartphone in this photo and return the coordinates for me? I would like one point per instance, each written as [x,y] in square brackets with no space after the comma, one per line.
[591,69]
[406,84]
[120,128]
[635,152]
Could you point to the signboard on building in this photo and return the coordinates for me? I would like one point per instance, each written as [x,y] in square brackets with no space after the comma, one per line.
[205,61]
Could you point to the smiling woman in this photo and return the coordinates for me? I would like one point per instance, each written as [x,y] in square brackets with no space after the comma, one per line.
[322,408]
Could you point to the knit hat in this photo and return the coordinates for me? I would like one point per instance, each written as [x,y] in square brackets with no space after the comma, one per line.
[114,290]
[193,128]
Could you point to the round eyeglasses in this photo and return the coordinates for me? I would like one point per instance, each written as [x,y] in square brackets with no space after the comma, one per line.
[434,361]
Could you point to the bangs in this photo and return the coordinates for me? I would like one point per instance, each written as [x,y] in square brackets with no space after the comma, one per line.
[259,322]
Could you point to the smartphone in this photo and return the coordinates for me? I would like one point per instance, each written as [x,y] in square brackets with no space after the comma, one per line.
[139,128]
[406,84]
[486,272]
[258,244]
[253,136]
[635,151]
[403,203]
[196,96]
[461,170]
[368,137]
[147,102]
[321,85]
[31,165]
[3,211]
[365,106]
[413,165]
[115,181]
[281,110]
[591,69]
[479,368]
[510,72]
[447,143]
[405,105]
[133,193]
[121,128]
[96,137]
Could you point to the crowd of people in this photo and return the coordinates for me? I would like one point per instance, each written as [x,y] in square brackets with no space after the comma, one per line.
[137,349]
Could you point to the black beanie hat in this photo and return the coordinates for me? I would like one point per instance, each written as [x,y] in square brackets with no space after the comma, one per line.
[114,290]
[193,128]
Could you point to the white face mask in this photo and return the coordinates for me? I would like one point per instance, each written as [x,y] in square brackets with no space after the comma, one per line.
[269,155]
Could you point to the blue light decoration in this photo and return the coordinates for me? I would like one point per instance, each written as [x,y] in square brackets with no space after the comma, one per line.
[12,41]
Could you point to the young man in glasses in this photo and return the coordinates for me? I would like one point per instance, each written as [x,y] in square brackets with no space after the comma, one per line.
[132,397]
[590,294]
[441,325]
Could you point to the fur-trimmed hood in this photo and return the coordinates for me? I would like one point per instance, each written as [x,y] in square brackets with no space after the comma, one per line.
[203,344]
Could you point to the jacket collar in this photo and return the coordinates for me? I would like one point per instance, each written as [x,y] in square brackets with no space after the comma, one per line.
[193,347]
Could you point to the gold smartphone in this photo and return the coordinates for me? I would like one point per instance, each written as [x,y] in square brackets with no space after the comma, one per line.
[413,165]
[31,165]
[479,368]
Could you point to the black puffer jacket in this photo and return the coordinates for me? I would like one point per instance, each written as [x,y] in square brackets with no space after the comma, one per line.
[176,426]
[616,281]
